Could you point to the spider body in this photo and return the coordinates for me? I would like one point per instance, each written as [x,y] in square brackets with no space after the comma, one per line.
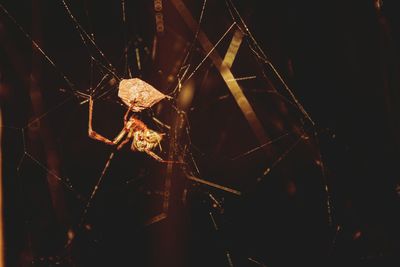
[143,139]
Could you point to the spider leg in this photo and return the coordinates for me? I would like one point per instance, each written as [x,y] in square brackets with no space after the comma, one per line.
[155,156]
[159,159]
[94,135]
[123,143]
[159,143]
[126,114]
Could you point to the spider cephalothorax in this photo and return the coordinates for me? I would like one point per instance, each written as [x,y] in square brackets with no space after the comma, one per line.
[137,95]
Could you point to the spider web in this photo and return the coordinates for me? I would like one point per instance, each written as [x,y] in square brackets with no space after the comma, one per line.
[231,118]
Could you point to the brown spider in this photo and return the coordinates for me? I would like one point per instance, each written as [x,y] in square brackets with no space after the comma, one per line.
[138,95]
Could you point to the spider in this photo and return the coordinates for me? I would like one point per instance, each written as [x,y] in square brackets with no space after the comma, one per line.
[137,95]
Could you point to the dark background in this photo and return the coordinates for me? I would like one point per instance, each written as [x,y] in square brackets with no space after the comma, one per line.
[341,60]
